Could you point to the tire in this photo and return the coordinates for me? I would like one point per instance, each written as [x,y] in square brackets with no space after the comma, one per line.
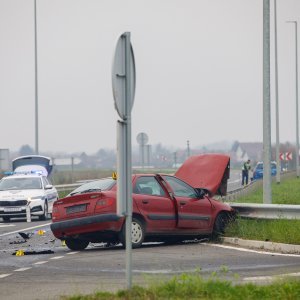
[219,227]
[6,219]
[44,216]
[137,233]
[76,244]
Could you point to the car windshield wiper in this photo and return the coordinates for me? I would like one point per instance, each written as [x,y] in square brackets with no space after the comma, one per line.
[85,191]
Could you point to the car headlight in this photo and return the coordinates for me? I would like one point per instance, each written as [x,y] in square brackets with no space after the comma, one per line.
[29,199]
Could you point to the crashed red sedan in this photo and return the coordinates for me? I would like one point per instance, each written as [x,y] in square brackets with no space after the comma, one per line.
[165,207]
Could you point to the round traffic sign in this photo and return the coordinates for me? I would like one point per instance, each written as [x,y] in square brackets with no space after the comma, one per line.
[142,138]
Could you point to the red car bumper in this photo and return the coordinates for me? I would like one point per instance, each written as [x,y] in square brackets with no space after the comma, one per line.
[104,223]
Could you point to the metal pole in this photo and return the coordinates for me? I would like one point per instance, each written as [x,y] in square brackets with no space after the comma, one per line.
[267,193]
[278,168]
[128,161]
[297,110]
[36,85]
[72,169]
[175,160]
[188,149]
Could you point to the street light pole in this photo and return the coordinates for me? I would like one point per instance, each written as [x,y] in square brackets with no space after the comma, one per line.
[267,192]
[297,112]
[36,85]
[278,167]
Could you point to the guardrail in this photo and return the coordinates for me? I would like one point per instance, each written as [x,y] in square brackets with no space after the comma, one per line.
[67,187]
[261,211]
[267,211]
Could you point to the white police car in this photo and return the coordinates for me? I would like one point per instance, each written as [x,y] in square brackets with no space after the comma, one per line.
[27,186]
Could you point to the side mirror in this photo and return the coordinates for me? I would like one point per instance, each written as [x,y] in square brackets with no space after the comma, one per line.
[201,193]
[48,187]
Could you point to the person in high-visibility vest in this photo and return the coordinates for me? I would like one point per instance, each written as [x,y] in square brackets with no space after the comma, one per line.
[245,172]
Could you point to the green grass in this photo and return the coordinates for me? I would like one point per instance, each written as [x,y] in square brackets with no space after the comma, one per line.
[281,230]
[287,192]
[191,286]
[278,231]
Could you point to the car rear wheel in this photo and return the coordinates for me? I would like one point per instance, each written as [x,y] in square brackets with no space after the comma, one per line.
[76,244]
[6,219]
[44,216]
[137,233]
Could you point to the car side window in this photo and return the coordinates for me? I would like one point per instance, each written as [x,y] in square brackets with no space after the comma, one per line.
[180,188]
[148,185]
[45,181]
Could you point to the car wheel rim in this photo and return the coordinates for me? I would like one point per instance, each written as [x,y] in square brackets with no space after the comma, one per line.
[136,233]
[46,210]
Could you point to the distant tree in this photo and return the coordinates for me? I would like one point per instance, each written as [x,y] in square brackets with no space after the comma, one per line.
[26,150]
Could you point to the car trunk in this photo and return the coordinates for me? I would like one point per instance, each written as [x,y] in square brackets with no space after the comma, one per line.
[33,163]
[77,206]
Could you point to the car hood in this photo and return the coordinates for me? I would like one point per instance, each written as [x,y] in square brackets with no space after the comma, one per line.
[19,194]
[35,163]
[209,171]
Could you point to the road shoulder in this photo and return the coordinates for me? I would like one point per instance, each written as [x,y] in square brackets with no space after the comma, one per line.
[262,245]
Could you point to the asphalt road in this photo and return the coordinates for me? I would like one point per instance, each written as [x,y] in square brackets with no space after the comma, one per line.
[64,272]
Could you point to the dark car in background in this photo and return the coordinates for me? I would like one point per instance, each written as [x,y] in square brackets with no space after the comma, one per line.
[165,207]
[258,171]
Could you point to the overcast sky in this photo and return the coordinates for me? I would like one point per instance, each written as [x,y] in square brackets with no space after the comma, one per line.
[198,67]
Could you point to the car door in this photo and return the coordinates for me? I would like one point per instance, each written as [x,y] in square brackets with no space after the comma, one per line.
[154,204]
[193,213]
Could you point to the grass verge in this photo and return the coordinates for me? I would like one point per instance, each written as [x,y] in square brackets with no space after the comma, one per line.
[188,286]
[287,192]
[278,231]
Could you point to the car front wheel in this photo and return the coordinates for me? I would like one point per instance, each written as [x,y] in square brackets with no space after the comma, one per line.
[76,244]
[44,216]
[137,233]
[219,226]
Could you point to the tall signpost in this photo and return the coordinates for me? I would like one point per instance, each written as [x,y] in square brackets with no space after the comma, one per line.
[142,139]
[123,83]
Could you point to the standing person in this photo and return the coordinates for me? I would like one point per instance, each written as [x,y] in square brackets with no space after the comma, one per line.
[245,172]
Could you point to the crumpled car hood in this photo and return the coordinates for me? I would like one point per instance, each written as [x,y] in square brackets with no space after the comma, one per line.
[208,171]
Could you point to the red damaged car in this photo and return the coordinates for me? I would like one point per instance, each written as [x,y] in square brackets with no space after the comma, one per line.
[165,207]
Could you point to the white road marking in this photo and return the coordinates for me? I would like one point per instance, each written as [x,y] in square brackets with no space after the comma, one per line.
[251,250]
[6,225]
[4,275]
[41,262]
[264,278]
[57,257]
[71,253]
[22,269]
[24,229]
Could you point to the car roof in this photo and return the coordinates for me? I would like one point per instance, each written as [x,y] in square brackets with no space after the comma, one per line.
[23,176]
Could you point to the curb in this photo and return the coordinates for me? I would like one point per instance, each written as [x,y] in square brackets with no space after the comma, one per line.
[261,245]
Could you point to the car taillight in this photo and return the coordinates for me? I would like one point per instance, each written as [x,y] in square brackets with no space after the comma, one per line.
[55,213]
[103,204]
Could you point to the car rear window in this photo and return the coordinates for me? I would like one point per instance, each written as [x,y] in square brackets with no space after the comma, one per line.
[102,184]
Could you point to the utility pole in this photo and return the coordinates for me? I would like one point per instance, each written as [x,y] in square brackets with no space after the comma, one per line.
[267,192]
